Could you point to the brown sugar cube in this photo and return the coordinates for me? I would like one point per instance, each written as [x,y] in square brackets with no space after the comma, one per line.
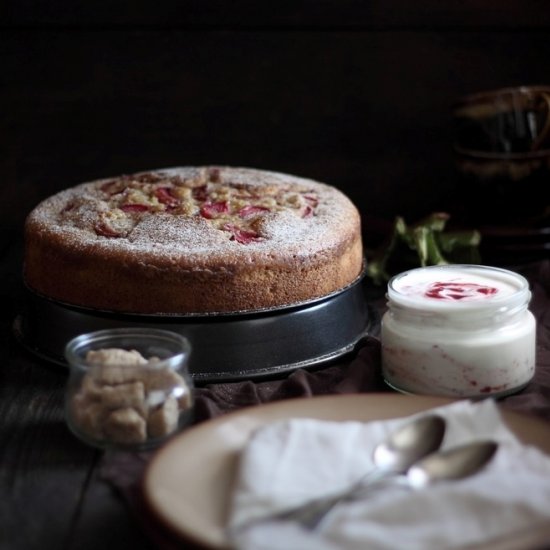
[87,415]
[125,426]
[115,356]
[124,395]
[162,379]
[110,375]
[164,420]
[91,388]
[116,366]
[185,399]
[155,398]
[169,382]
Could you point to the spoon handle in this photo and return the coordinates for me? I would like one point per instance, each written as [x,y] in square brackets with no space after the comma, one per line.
[311,513]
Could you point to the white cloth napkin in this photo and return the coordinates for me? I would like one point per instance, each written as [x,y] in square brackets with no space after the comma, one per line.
[290,462]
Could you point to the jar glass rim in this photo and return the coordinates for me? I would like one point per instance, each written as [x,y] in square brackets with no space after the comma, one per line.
[521,295]
[182,346]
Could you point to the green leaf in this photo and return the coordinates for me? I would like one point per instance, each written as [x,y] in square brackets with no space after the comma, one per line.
[428,244]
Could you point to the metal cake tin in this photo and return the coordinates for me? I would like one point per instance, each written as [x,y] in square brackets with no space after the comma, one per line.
[225,347]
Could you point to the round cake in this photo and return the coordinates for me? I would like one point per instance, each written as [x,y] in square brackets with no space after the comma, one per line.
[193,240]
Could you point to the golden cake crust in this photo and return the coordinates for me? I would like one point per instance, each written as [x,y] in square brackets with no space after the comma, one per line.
[193,240]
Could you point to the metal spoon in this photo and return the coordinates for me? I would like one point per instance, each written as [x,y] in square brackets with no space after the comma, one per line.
[455,463]
[408,444]
[452,464]
[405,446]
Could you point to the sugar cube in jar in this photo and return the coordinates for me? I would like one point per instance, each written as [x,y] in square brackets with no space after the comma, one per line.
[129,388]
[458,331]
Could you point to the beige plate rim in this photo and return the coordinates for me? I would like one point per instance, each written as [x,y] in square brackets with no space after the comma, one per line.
[187,483]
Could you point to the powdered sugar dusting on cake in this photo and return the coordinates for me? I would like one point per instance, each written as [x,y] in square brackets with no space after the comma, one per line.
[192,210]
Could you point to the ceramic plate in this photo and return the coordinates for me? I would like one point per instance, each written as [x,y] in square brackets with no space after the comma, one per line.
[188,482]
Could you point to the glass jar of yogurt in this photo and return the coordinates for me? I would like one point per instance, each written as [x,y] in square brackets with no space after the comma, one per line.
[458,331]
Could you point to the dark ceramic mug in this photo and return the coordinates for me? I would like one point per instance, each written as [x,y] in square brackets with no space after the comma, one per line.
[506,122]
[502,155]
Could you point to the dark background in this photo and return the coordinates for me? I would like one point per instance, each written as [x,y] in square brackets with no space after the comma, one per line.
[355,93]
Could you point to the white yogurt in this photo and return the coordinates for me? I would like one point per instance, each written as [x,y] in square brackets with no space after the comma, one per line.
[459,331]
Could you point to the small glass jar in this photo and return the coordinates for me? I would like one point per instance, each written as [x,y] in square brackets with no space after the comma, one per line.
[128,388]
[458,331]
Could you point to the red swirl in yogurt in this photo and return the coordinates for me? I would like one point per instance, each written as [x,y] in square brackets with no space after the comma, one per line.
[453,284]
[455,290]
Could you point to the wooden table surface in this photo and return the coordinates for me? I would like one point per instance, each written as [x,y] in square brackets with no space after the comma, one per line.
[51,496]
[51,492]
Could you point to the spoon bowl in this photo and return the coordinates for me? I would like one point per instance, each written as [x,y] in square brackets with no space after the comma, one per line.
[455,463]
[409,443]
